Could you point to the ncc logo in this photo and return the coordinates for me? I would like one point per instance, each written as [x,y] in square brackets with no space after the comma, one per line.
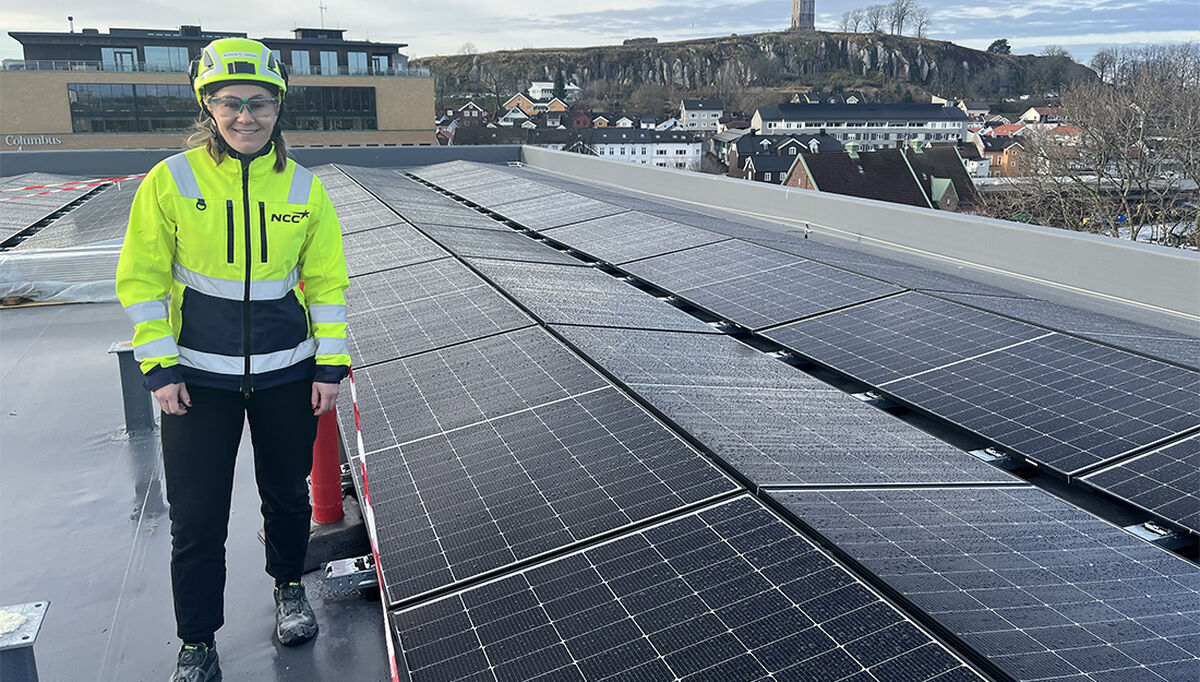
[289,217]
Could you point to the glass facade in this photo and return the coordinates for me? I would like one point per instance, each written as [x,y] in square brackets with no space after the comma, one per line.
[357,63]
[300,64]
[166,58]
[310,107]
[128,108]
[329,63]
[379,63]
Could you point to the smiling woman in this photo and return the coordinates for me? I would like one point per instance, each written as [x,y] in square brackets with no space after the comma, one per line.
[220,239]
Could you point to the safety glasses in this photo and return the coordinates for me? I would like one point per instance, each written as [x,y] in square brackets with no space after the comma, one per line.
[259,106]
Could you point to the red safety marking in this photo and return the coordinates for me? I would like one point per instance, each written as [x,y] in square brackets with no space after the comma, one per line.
[78,184]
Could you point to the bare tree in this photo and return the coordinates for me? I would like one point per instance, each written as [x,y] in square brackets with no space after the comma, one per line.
[875,17]
[846,21]
[1103,63]
[649,98]
[920,22]
[899,13]
[1055,51]
[468,48]
[1129,162]
[857,17]
[729,86]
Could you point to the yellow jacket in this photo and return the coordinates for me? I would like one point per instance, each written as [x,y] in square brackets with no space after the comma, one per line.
[210,274]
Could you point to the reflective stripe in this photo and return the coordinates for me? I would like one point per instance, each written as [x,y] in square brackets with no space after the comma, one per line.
[147,310]
[327,314]
[185,178]
[157,348]
[235,364]
[328,345]
[301,186]
[235,289]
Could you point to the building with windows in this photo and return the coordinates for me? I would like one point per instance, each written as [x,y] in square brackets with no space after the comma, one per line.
[701,115]
[870,125]
[648,147]
[128,88]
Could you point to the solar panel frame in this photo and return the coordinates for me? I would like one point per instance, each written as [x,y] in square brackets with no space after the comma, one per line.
[404,311]
[773,424]
[631,236]
[1066,403]
[479,499]
[880,341]
[402,400]
[726,592]
[388,247]
[1041,588]
[573,294]
[1163,481]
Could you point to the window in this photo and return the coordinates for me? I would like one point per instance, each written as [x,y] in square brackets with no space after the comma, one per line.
[681,151]
[681,165]
[660,151]
[792,151]
[767,177]
[330,108]
[622,151]
[379,63]
[329,63]
[356,63]
[166,58]
[128,108]
[118,58]
[300,64]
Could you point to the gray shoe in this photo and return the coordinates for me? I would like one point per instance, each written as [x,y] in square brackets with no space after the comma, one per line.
[295,622]
[197,663]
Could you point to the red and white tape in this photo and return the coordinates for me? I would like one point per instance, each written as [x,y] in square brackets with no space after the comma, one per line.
[65,186]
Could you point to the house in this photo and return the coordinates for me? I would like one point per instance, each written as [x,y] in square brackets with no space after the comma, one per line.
[732,121]
[647,121]
[623,122]
[936,165]
[514,116]
[534,106]
[599,121]
[881,174]
[490,135]
[670,124]
[701,115]
[870,125]
[977,165]
[647,147]
[544,90]
[975,110]
[468,114]
[558,139]
[1044,115]
[769,168]
[1006,130]
[750,145]
[720,144]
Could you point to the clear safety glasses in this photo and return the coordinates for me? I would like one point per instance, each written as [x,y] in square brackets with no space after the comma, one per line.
[259,106]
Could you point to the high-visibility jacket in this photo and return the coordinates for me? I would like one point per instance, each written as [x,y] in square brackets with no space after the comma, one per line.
[210,273]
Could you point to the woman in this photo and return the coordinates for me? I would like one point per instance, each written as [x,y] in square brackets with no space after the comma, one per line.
[220,238]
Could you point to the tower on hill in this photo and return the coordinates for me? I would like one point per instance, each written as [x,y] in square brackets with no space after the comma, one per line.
[802,14]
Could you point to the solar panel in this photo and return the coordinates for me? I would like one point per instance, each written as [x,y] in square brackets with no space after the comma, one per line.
[103,217]
[365,215]
[1165,482]
[457,505]
[631,236]
[510,245]
[387,247]
[453,216]
[770,422]
[725,593]
[1044,590]
[785,293]
[508,190]
[708,264]
[884,340]
[562,209]
[402,400]
[1067,403]
[583,295]
[421,307]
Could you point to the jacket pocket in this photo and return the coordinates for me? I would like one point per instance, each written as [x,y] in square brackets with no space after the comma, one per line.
[262,231]
[229,232]
[210,324]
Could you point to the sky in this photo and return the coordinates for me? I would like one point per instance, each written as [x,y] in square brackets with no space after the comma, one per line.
[1080,26]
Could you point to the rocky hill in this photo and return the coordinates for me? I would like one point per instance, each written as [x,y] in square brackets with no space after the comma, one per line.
[892,66]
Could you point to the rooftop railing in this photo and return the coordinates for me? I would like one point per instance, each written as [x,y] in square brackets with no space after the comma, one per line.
[84,65]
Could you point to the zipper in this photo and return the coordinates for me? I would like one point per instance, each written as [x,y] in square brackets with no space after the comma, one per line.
[246,319]
[229,231]
[262,230]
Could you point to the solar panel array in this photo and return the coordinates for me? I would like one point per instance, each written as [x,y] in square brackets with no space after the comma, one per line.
[1165,481]
[541,214]
[631,236]
[534,522]
[387,247]
[1044,590]
[103,217]
[20,208]
[724,593]
[571,294]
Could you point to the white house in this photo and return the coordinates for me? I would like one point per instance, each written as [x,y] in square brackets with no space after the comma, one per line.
[701,115]
[869,125]
[648,147]
[545,90]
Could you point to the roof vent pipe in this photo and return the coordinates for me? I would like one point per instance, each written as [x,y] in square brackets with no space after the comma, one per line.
[852,150]
[71,23]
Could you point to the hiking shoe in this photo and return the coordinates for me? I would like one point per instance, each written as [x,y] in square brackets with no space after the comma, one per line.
[294,619]
[197,663]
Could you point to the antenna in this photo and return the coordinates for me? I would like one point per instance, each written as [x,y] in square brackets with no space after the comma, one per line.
[322,7]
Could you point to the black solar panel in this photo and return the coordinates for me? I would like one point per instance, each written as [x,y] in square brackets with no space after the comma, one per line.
[562,209]
[456,505]
[1044,590]
[1165,481]
[452,216]
[388,247]
[510,245]
[770,422]
[884,340]
[1064,402]
[726,593]
[421,307]
[785,293]
[102,217]
[402,400]
[366,214]
[583,295]
[631,236]
[709,264]
[505,191]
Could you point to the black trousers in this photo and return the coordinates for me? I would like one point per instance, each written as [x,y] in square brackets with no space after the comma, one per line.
[199,449]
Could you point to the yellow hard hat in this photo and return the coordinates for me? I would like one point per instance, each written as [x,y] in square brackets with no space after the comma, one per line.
[237,60]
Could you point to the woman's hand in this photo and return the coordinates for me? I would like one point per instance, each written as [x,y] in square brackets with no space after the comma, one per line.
[173,398]
[324,397]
